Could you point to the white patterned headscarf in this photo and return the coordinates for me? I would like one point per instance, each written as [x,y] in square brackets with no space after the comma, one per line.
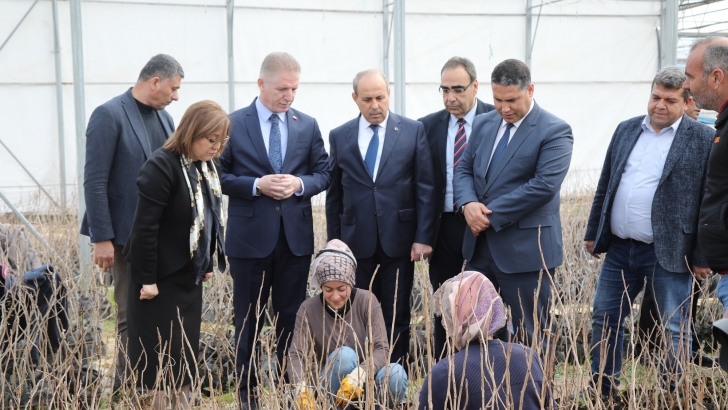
[470,308]
[334,262]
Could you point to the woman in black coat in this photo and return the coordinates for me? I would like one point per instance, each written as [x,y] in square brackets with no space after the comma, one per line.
[176,231]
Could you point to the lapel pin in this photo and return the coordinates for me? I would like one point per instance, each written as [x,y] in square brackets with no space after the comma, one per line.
[295,118]
[396,128]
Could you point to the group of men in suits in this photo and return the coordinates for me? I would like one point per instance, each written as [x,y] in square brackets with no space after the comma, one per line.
[474,185]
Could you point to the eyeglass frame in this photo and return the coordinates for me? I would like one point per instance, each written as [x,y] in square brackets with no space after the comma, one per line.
[221,141]
[447,90]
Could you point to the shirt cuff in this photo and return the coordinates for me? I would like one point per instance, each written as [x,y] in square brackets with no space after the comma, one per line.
[255,184]
[302,188]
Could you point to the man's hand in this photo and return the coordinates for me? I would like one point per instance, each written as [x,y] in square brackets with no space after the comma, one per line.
[476,215]
[266,183]
[148,292]
[104,254]
[420,251]
[590,248]
[284,186]
[700,272]
[207,277]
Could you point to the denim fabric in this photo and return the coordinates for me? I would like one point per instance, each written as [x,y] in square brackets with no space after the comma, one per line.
[343,361]
[721,292]
[623,273]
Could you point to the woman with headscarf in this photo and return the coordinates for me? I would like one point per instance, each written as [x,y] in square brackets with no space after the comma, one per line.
[340,339]
[485,373]
[177,229]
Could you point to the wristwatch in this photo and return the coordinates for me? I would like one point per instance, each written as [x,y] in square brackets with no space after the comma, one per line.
[258,191]
[461,210]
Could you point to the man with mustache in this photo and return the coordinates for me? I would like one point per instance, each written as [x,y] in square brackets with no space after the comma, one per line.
[447,132]
[381,200]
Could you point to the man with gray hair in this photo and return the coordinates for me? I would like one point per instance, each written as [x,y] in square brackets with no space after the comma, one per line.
[707,78]
[448,131]
[507,186]
[121,134]
[274,163]
[645,217]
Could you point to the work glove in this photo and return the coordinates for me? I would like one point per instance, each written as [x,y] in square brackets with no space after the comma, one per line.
[352,387]
[305,399]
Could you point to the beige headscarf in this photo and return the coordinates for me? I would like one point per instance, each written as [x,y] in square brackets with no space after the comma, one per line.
[470,308]
[334,262]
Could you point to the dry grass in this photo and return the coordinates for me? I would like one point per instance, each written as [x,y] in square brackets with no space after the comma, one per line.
[78,373]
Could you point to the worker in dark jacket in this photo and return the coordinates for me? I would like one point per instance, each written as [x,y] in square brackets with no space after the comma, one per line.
[488,373]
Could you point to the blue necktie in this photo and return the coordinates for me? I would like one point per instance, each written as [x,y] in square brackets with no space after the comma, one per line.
[499,149]
[370,159]
[274,144]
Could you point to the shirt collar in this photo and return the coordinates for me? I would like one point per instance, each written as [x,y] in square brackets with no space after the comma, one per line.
[264,113]
[518,123]
[363,123]
[469,116]
[722,107]
[646,126]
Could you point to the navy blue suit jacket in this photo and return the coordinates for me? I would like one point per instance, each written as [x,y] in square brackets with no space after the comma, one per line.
[522,190]
[117,145]
[398,209]
[254,222]
[676,204]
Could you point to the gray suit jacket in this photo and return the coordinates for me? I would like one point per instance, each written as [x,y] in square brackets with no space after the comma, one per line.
[522,190]
[676,205]
[117,145]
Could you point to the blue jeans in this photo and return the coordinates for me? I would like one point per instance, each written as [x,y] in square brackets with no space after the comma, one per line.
[344,360]
[721,292]
[626,267]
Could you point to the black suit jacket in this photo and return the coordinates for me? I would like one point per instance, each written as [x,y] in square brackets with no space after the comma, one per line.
[398,209]
[436,131]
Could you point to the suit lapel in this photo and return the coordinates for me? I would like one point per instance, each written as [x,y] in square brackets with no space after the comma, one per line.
[252,123]
[522,133]
[676,149]
[292,136]
[441,133]
[352,138]
[390,140]
[137,124]
[622,156]
[165,125]
[488,134]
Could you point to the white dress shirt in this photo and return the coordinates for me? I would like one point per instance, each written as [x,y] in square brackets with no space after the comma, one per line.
[265,125]
[632,206]
[502,130]
[365,136]
[452,129]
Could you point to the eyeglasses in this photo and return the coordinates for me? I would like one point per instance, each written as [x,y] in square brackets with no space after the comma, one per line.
[458,89]
[218,142]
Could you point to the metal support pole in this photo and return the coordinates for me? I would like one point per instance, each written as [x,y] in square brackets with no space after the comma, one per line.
[668,32]
[80,119]
[18,25]
[529,34]
[231,55]
[386,36]
[29,174]
[59,106]
[28,225]
[400,81]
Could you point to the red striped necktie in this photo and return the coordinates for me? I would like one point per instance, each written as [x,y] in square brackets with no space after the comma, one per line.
[460,142]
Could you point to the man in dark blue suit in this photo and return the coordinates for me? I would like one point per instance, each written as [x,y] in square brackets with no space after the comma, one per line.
[447,132]
[121,134]
[508,187]
[275,162]
[645,217]
[381,200]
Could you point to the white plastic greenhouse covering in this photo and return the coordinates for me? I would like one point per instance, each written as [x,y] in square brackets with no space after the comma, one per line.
[592,63]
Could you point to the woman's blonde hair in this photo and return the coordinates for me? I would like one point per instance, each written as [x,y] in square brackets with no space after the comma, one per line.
[199,121]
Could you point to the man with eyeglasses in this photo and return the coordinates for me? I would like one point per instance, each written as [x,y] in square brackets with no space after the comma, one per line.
[507,186]
[274,163]
[121,134]
[447,132]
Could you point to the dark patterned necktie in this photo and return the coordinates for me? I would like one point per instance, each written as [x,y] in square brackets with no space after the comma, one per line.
[370,159]
[501,147]
[275,154]
[461,141]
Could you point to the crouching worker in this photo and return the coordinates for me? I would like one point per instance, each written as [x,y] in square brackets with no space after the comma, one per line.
[340,340]
[484,373]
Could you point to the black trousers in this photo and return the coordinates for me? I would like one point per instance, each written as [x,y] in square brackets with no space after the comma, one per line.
[280,274]
[446,262]
[386,286]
